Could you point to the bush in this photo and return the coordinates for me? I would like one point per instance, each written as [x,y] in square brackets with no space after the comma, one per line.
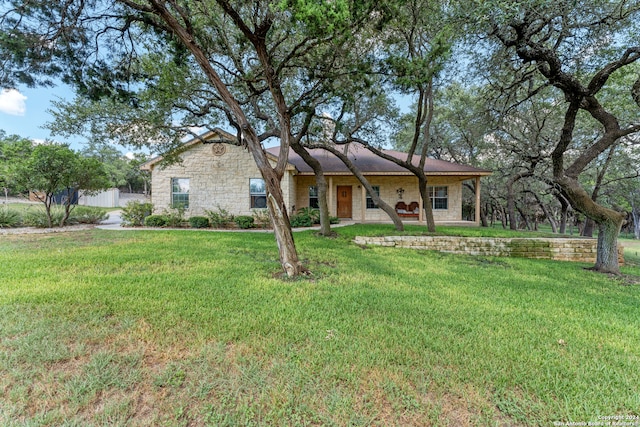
[88,215]
[300,220]
[38,217]
[174,217]
[334,220]
[135,212]
[312,213]
[155,221]
[199,222]
[261,218]
[220,218]
[9,218]
[306,217]
[244,221]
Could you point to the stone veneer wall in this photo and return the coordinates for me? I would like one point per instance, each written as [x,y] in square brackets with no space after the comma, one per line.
[216,180]
[562,249]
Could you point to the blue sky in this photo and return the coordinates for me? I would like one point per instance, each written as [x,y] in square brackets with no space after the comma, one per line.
[23,112]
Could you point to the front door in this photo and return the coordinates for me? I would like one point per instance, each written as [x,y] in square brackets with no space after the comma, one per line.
[344,201]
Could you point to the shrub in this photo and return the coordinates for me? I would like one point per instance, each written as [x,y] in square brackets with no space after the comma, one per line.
[9,218]
[244,221]
[89,215]
[135,212]
[155,221]
[38,217]
[312,213]
[334,220]
[199,222]
[174,217]
[220,218]
[301,220]
[261,218]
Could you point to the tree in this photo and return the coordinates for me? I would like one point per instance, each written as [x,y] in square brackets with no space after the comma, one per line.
[52,169]
[173,64]
[575,47]
[13,149]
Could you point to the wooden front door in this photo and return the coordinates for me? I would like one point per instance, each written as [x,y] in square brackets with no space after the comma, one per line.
[344,201]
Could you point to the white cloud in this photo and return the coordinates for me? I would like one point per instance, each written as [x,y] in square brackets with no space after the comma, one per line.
[12,102]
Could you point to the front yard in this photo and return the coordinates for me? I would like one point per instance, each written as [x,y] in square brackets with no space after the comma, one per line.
[181,328]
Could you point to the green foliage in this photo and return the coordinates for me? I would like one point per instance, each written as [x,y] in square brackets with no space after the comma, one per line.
[220,218]
[319,17]
[155,221]
[300,220]
[174,217]
[306,217]
[262,219]
[13,151]
[39,218]
[135,212]
[9,218]
[199,222]
[89,214]
[245,221]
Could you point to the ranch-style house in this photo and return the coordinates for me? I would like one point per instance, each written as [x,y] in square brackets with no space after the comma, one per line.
[213,174]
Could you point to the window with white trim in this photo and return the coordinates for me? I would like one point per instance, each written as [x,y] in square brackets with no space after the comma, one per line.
[439,197]
[313,197]
[370,202]
[257,193]
[180,193]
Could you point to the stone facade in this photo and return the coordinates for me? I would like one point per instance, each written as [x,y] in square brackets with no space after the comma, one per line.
[561,249]
[388,184]
[217,178]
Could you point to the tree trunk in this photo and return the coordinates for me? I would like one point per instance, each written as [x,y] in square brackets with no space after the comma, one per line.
[547,214]
[426,203]
[524,219]
[587,230]
[483,215]
[607,256]
[282,230]
[321,183]
[511,206]
[636,223]
[503,216]
[609,224]
[564,214]
[390,211]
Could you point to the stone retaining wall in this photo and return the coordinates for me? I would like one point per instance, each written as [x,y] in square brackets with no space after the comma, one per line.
[563,249]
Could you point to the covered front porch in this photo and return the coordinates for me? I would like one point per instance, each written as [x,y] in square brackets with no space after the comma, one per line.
[349,201]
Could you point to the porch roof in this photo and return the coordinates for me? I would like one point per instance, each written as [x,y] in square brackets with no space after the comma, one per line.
[369,163]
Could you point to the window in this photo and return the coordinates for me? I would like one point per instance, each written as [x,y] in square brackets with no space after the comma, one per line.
[370,203]
[258,193]
[313,197]
[439,198]
[180,193]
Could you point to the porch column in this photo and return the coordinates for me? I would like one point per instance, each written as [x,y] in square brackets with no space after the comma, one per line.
[420,204]
[332,208]
[363,203]
[477,200]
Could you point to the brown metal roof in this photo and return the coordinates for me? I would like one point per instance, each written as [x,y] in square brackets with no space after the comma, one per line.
[369,163]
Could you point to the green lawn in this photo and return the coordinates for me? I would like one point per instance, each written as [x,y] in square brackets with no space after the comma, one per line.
[198,328]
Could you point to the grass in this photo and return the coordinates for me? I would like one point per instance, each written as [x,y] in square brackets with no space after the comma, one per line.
[181,328]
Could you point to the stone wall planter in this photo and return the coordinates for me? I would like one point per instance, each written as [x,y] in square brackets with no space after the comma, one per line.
[561,249]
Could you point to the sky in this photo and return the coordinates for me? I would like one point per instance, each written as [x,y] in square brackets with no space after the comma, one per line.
[23,112]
